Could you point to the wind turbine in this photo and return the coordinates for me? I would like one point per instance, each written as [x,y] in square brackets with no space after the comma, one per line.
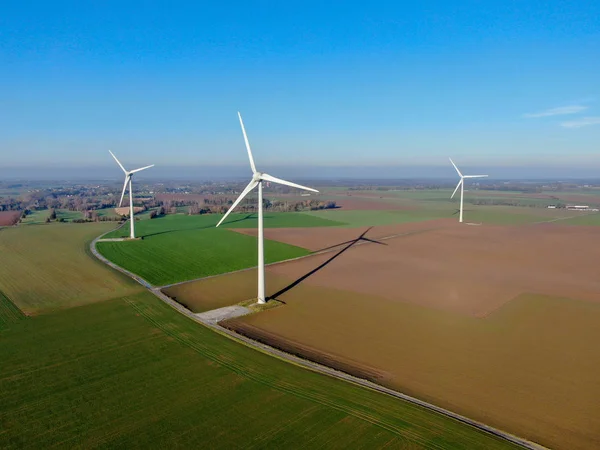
[257,180]
[461,184]
[128,177]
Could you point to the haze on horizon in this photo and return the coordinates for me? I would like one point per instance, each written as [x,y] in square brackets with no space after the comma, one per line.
[492,84]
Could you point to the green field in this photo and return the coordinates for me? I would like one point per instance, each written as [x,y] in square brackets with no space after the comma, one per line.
[67,215]
[49,267]
[489,214]
[144,214]
[182,222]
[357,218]
[36,217]
[582,218]
[184,255]
[177,248]
[131,372]
[9,313]
[107,212]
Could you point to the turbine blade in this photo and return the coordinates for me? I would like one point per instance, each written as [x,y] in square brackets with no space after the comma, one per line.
[456,189]
[475,176]
[142,168]
[459,174]
[267,177]
[124,188]
[120,165]
[253,183]
[247,144]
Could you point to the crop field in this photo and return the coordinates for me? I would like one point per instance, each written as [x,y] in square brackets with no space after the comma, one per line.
[9,313]
[181,222]
[138,374]
[213,293]
[49,267]
[322,239]
[361,218]
[498,323]
[106,212]
[8,218]
[184,255]
[36,217]
[437,201]
[131,372]
[67,215]
[530,368]
[582,218]
[39,217]
[124,210]
[495,215]
[176,248]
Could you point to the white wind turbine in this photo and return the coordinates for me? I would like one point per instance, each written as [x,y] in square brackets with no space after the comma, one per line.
[128,177]
[461,184]
[257,180]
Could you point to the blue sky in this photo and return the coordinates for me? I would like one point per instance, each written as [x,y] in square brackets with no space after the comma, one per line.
[318,83]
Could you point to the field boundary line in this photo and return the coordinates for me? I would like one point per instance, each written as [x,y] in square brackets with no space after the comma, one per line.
[313,366]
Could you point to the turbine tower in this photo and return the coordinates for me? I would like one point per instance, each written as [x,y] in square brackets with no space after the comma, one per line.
[257,180]
[128,177]
[461,183]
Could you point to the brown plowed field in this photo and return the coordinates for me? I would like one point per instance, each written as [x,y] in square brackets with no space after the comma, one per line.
[497,323]
[304,351]
[466,269]
[316,239]
[8,218]
[532,368]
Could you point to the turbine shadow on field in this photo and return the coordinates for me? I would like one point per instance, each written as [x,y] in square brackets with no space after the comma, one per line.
[351,242]
[322,265]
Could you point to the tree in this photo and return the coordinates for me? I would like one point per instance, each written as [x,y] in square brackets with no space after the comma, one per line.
[52,214]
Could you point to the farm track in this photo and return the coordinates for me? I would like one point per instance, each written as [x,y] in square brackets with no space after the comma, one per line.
[557,219]
[310,365]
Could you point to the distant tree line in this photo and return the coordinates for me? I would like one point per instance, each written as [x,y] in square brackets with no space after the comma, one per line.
[220,206]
